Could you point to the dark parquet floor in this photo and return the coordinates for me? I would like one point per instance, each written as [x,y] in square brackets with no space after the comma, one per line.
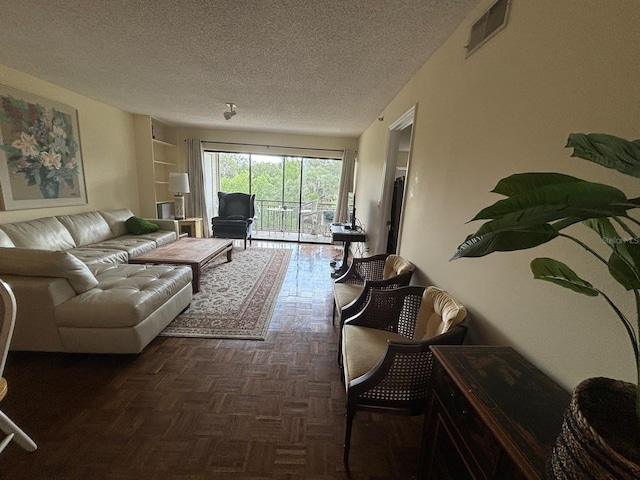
[195,409]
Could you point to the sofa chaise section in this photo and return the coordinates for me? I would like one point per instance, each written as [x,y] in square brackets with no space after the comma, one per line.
[66,306]
[75,291]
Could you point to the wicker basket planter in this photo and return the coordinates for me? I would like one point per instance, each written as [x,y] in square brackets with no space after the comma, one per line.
[600,437]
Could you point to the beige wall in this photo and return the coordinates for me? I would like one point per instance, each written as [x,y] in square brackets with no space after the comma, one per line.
[108,150]
[265,138]
[557,68]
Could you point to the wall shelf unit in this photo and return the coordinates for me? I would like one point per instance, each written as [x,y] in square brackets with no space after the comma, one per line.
[157,156]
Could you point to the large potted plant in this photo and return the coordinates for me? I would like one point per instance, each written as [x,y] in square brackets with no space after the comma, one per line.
[600,436]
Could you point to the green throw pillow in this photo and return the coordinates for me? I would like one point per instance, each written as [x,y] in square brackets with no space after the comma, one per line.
[140,226]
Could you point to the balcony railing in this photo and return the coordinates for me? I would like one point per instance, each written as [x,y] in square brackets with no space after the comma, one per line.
[286,221]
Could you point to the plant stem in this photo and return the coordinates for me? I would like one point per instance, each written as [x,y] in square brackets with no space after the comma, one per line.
[635,340]
[585,246]
[637,348]
[625,321]
[624,226]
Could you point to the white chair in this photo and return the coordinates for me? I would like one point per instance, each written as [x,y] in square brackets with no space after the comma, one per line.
[309,217]
[8,318]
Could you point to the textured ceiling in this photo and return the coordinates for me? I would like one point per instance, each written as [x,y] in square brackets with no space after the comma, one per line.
[323,67]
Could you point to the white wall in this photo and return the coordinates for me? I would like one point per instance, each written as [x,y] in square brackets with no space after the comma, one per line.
[108,150]
[557,68]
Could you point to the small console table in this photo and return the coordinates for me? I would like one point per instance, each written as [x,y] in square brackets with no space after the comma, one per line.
[341,233]
[492,415]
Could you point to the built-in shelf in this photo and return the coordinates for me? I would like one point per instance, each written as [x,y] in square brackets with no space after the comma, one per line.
[162,142]
[157,156]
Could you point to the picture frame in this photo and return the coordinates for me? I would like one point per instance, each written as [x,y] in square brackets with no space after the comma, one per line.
[40,154]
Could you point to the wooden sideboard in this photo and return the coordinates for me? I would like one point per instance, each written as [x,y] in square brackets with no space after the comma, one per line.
[492,415]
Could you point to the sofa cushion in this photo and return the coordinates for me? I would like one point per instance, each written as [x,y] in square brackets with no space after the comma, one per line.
[438,313]
[86,228]
[125,295]
[395,265]
[116,219]
[47,263]
[161,237]
[132,244]
[5,241]
[42,233]
[139,226]
[93,256]
[363,348]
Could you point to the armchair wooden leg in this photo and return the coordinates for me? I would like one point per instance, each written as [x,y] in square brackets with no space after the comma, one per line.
[351,413]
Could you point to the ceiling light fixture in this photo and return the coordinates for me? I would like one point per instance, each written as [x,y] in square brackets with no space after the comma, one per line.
[231,112]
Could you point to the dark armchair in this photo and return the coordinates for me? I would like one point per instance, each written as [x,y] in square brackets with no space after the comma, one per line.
[236,212]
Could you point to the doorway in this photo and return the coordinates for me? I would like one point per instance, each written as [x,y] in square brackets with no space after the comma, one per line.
[393,192]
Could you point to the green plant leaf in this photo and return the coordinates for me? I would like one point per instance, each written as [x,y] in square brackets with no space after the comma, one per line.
[557,272]
[525,182]
[626,274]
[553,202]
[566,222]
[505,241]
[625,257]
[542,215]
[609,235]
[607,150]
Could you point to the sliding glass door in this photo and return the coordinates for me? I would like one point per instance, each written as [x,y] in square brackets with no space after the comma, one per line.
[295,196]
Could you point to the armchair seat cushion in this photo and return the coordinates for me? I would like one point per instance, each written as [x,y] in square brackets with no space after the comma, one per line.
[345,293]
[363,348]
[239,223]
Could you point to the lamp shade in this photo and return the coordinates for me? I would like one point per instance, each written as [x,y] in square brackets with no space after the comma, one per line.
[179,182]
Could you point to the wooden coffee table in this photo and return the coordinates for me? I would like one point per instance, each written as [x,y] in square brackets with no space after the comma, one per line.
[195,252]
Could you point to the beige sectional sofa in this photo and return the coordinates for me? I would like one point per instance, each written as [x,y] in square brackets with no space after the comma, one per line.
[75,291]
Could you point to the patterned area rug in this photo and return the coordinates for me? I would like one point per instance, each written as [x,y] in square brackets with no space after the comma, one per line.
[237,298]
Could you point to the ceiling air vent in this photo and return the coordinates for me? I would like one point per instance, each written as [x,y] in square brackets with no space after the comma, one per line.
[490,23]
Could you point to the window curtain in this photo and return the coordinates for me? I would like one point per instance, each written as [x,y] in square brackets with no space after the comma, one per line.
[346,185]
[212,180]
[197,206]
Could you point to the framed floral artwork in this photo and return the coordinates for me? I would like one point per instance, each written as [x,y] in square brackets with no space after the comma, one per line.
[40,155]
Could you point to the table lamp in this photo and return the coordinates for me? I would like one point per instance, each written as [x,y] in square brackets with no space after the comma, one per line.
[179,184]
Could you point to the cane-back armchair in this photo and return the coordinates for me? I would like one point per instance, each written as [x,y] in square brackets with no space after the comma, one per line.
[352,290]
[386,360]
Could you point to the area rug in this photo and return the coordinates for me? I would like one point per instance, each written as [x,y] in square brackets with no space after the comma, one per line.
[237,298]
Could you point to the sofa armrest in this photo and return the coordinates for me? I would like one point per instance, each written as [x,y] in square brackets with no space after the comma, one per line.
[47,263]
[166,224]
[37,299]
